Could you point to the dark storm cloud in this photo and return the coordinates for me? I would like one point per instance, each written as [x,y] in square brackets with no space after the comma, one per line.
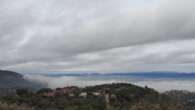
[97,35]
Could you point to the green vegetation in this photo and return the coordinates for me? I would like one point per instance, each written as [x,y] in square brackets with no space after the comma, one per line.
[4,106]
[102,97]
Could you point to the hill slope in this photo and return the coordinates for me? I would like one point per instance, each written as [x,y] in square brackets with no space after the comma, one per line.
[9,79]
[118,96]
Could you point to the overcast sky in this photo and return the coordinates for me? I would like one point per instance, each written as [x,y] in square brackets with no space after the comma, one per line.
[41,36]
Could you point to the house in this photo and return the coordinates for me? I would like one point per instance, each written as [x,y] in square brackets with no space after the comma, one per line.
[96,93]
[83,94]
[71,95]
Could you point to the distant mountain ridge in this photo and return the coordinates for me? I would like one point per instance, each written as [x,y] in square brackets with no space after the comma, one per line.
[134,74]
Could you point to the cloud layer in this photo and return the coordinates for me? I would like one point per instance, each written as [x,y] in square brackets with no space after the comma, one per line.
[97,35]
[159,84]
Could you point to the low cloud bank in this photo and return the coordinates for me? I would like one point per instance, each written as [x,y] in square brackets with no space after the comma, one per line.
[166,85]
[54,82]
[160,85]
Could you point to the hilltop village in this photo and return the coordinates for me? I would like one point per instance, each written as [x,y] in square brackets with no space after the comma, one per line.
[119,96]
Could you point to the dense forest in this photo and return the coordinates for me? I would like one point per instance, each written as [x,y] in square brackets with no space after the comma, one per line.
[118,96]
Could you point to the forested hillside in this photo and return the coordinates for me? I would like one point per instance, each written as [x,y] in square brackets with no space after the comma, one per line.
[119,96]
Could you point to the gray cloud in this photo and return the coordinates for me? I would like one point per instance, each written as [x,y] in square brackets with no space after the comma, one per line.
[97,35]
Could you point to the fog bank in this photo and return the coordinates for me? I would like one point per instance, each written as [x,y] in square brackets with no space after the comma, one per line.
[160,85]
